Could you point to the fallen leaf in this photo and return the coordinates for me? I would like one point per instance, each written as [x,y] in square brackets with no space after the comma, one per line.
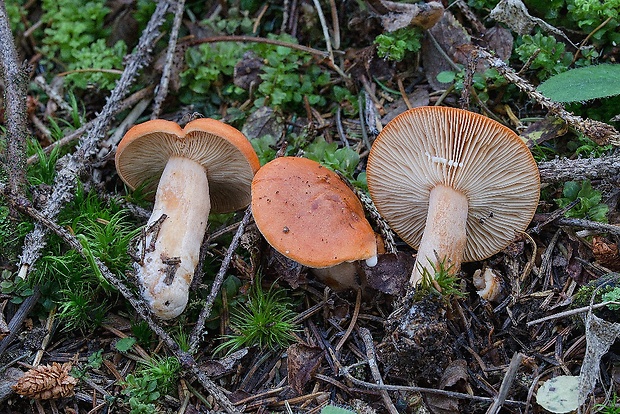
[247,71]
[500,40]
[302,363]
[454,378]
[263,121]
[450,37]
[391,273]
[219,367]
[544,130]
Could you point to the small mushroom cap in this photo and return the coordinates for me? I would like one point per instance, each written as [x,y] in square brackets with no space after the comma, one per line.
[307,213]
[224,152]
[479,157]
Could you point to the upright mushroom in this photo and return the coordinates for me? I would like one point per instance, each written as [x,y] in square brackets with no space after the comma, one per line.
[307,213]
[205,167]
[454,184]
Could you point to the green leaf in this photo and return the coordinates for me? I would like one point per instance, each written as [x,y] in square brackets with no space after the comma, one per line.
[125,344]
[583,84]
[446,76]
[571,190]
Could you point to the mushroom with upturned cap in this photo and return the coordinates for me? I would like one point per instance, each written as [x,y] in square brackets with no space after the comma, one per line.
[205,167]
[308,214]
[454,184]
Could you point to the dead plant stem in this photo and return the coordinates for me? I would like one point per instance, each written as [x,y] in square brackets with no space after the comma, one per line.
[15,81]
[74,164]
[162,89]
[194,339]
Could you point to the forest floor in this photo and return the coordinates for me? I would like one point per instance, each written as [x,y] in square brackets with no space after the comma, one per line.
[318,79]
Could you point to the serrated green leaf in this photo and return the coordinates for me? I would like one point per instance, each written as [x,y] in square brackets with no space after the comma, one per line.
[583,84]
[125,344]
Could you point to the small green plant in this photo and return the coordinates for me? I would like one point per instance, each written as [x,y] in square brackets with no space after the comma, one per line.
[95,360]
[344,160]
[612,296]
[584,146]
[149,382]
[481,82]
[266,320]
[589,201]
[76,34]
[611,407]
[443,282]
[93,65]
[333,409]
[552,57]
[582,84]
[395,45]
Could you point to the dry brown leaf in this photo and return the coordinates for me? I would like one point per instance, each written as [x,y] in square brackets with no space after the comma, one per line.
[400,15]
[47,382]
[247,71]
[455,378]
[452,37]
[391,273]
[303,361]
[606,253]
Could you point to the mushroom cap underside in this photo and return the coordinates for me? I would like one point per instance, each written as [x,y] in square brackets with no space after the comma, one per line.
[225,153]
[486,161]
[307,213]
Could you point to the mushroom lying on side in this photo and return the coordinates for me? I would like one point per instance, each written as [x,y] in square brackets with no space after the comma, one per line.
[205,167]
[307,213]
[454,184]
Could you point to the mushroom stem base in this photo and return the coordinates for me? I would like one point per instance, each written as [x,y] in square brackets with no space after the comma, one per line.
[445,234]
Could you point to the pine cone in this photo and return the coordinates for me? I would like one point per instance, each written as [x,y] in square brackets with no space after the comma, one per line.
[47,382]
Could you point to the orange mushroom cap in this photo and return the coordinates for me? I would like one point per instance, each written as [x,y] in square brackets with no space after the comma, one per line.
[224,152]
[307,213]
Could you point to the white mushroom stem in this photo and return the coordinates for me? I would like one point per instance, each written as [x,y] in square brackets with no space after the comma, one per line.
[168,268]
[444,235]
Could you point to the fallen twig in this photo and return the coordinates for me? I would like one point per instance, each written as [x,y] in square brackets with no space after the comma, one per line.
[73,164]
[458,395]
[571,312]
[162,89]
[194,338]
[599,132]
[374,369]
[509,378]
[186,359]
[15,80]
[561,170]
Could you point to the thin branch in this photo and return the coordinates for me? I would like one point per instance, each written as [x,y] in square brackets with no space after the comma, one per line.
[374,369]
[563,169]
[73,136]
[194,338]
[509,378]
[599,132]
[74,164]
[15,80]
[452,394]
[186,359]
[162,89]
[252,39]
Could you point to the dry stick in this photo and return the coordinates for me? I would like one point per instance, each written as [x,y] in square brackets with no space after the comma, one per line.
[66,140]
[356,312]
[509,378]
[251,39]
[73,164]
[571,312]
[588,224]
[409,388]
[599,132]
[19,317]
[194,338]
[162,89]
[562,169]
[186,359]
[15,80]
[374,369]
[52,94]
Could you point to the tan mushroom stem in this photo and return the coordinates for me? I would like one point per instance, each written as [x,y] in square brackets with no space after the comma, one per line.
[168,268]
[445,233]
